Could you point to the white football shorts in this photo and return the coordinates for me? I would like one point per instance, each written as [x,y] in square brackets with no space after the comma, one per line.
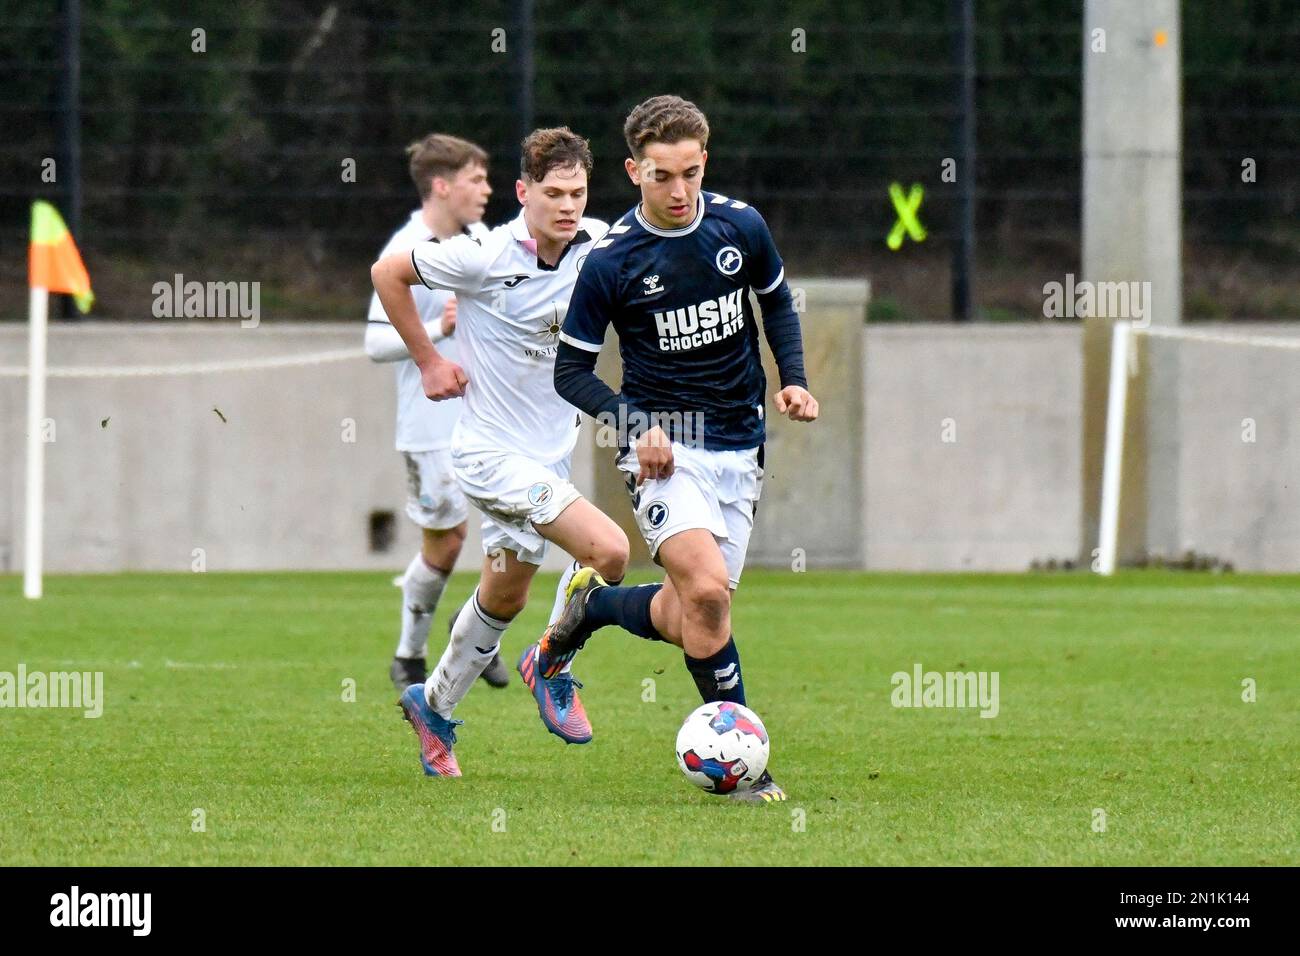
[514,493]
[714,490]
[433,499]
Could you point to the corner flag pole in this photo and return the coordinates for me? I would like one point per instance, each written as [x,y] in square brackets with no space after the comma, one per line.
[53,265]
[38,322]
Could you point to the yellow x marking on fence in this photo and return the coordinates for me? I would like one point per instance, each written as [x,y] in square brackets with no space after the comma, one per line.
[907,222]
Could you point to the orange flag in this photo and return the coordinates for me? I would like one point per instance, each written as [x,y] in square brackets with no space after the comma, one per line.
[53,261]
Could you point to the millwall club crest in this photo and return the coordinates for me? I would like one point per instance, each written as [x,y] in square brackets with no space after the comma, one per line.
[656,514]
[728,260]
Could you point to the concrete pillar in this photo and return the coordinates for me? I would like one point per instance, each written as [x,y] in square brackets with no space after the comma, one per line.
[1132,232]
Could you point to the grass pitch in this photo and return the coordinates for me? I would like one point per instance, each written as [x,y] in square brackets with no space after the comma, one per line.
[226,694]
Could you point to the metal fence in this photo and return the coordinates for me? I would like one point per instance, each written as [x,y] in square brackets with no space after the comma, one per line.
[219,154]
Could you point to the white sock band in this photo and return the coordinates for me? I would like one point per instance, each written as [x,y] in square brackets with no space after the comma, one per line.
[474,642]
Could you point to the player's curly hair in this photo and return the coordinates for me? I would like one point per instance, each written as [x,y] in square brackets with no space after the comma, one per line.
[664,119]
[556,148]
[441,155]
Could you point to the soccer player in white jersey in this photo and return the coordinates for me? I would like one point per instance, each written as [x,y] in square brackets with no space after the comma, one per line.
[673,277]
[511,448]
[450,175]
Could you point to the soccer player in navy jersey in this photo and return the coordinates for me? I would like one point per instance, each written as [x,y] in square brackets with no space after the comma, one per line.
[673,277]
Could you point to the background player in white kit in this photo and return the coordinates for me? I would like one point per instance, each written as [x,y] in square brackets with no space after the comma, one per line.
[451,176]
[511,448]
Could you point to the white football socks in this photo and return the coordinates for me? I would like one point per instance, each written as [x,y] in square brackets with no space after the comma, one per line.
[474,641]
[558,607]
[421,589]
[565,578]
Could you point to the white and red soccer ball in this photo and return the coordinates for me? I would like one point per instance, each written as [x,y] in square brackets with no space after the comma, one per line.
[722,747]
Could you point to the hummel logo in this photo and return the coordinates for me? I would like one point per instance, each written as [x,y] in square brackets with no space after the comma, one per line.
[652,285]
[515,280]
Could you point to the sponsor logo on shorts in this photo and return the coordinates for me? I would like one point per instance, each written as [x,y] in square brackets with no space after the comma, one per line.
[656,514]
[539,494]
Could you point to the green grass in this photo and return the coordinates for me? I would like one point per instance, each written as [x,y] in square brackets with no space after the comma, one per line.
[224,692]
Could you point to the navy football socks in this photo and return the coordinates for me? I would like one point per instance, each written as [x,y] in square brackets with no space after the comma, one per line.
[629,608]
[718,677]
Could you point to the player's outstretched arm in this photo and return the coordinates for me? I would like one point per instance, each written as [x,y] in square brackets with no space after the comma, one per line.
[393,277]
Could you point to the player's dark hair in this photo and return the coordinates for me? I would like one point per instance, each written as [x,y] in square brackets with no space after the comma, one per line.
[441,155]
[664,119]
[557,148]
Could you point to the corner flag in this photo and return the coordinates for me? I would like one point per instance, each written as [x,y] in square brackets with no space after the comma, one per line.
[53,265]
[53,262]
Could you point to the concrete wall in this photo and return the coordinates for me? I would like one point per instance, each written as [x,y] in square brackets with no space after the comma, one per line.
[973,446]
[812,487]
[1239,499]
[1008,489]
[144,470]
[941,448]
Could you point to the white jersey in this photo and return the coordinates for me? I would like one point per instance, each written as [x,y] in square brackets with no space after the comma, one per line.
[422,425]
[510,306]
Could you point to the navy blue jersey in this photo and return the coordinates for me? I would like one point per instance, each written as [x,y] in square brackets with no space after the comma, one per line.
[679,301]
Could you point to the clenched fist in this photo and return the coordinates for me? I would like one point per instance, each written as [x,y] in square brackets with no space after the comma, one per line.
[443,380]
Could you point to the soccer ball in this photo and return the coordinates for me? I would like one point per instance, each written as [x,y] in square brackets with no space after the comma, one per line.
[722,747]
